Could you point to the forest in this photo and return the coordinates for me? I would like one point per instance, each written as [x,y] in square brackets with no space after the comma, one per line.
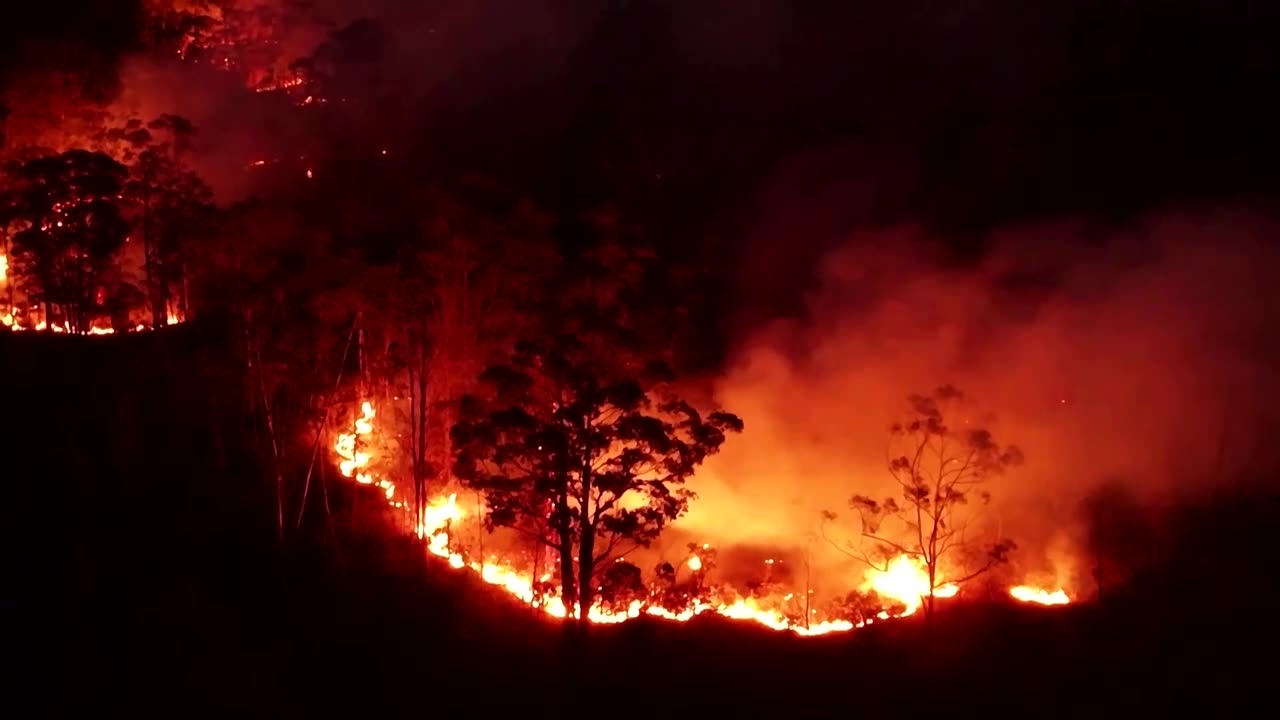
[380,358]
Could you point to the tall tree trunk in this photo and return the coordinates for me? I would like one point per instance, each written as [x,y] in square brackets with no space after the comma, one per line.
[586,567]
[159,314]
[420,459]
[564,535]
[928,600]
[587,542]
[415,465]
[186,292]
[361,390]
[417,366]
[8,255]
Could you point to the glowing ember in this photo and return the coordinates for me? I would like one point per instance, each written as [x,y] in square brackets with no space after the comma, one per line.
[1028,594]
[903,580]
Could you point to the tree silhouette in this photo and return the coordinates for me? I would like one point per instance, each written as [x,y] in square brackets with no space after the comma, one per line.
[173,202]
[66,211]
[940,471]
[472,283]
[588,464]
[621,584]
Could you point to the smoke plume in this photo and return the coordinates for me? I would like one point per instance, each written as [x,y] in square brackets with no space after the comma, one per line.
[1136,354]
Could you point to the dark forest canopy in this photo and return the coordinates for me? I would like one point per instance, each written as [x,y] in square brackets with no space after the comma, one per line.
[716,128]
[425,194]
[88,37]
[997,110]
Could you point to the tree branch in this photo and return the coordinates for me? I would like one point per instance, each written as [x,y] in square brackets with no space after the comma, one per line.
[614,542]
[540,536]
[990,564]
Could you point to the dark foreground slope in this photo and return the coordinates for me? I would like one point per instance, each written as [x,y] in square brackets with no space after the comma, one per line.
[143,574]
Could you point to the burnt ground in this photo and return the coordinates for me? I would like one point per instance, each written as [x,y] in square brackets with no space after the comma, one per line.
[143,575]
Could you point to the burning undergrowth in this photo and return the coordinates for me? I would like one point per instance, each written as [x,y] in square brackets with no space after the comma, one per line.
[771,588]
[1135,355]
[772,537]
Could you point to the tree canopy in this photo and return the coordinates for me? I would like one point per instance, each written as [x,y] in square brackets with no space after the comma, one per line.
[587,460]
[934,519]
[66,221]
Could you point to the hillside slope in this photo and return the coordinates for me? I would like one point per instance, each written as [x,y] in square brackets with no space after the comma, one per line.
[144,575]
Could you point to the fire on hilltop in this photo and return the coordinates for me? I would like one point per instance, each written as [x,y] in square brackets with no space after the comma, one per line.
[903,583]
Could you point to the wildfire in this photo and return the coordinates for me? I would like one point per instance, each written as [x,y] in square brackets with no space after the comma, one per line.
[903,580]
[98,327]
[1028,594]
[906,581]
[346,447]
[286,84]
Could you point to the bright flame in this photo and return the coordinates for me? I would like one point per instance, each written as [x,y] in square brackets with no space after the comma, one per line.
[1028,594]
[904,579]
[22,320]
[353,459]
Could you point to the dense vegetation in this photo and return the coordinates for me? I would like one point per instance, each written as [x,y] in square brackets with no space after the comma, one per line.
[164,553]
[145,575]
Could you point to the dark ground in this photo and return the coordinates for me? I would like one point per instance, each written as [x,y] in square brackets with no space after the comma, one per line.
[144,576]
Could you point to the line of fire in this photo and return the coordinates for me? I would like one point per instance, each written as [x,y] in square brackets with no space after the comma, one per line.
[607,331]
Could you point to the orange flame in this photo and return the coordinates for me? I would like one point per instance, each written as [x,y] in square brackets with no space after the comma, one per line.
[1028,594]
[904,579]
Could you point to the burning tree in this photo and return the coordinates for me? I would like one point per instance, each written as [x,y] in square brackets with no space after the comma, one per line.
[66,212]
[174,202]
[472,281]
[940,472]
[586,463]
[621,584]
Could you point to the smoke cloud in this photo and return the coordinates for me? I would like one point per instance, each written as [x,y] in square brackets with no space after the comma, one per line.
[1132,352]
[1138,354]
[420,71]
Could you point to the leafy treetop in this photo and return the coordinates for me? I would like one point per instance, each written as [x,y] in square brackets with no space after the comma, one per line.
[584,461]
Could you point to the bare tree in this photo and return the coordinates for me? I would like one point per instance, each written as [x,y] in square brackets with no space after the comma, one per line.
[940,471]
